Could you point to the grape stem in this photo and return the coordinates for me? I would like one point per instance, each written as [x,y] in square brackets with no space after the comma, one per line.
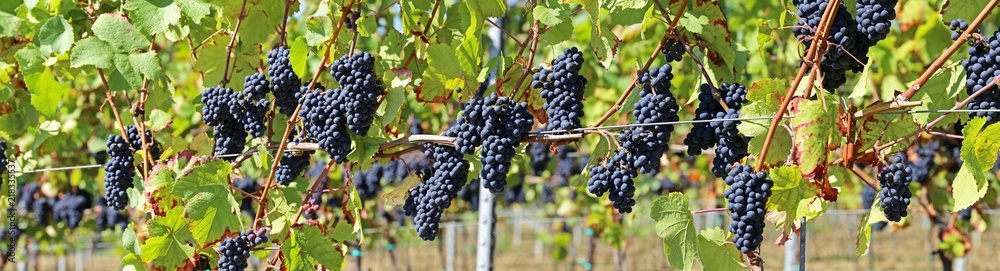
[947,53]
[284,24]
[531,59]
[814,53]
[232,41]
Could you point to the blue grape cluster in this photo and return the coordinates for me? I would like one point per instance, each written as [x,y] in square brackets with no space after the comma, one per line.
[251,107]
[506,123]
[732,146]
[292,164]
[133,137]
[284,82]
[539,154]
[441,183]
[958,27]
[656,104]
[562,88]
[361,87]
[469,125]
[256,237]
[922,167]
[895,179]
[108,218]
[843,35]
[326,122]
[874,19]
[615,176]
[350,21]
[747,197]
[230,137]
[568,164]
[26,197]
[42,207]
[965,214]
[981,68]
[249,186]
[369,181]
[70,207]
[867,200]
[673,50]
[118,172]
[234,253]
[702,136]
[3,157]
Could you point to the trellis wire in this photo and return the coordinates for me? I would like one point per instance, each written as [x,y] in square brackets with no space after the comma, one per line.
[580,130]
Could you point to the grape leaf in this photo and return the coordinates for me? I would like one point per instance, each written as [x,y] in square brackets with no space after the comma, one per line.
[781,146]
[158,120]
[488,8]
[873,217]
[550,12]
[884,128]
[717,252]
[979,152]
[299,56]
[211,61]
[130,242]
[675,224]
[395,97]
[194,9]
[9,22]
[938,94]
[716,39]
[153,17]
[46,92]
[132,262]
[791,195]
[115,29]
[262,18]
[318,30]
[443,75]
[169,242]
[763,100]
[816,133]
[212,214]
[56,35]
[91,51]
[307,247]
[967,10]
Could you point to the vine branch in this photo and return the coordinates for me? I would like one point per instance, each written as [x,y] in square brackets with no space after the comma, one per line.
[232,41]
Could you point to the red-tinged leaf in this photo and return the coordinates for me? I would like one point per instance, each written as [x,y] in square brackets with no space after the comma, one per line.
[816,133]
[882,129]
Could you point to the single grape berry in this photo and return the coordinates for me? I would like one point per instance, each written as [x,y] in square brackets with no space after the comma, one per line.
[747,197]
[895,179]
[118,172]
[562,88]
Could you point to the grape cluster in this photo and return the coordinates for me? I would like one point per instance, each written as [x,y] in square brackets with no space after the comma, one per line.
[981,68]
[69,208]
[292,164]
[702,136]
[747,197]
[368,183]
[350,21]
[895,179]
[656,104]
[506,123]
[230,137]
[3,157]
[732,146]
[965,214]
[615,177]
[42,207]
[442,181]
[118,172]
[109,218]
[539,154]
[26,198]
[251,107]
[284,82]
[922,167]
[673,50]
[133,137]
[562,88]
[874,19]
[249,186]
[515,194]
[255,238]
[958,27]
[361,87]
[849,50]
[325,121]
[416,126]
[469,125]
[867,200]
[234,253]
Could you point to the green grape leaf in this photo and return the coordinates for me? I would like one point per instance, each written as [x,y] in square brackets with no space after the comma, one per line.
[816,134]
[938,94]
[91,51]
[354,206]
[342,231]
[717,252]
[967,10]
[117,31]
[46,92]
[262,18]
[884,128]
[873,217]
[131,262]
[791,195]
[169,242]
[318,30]
[213,215]
[146,64]
[489,8]
[158,120]
[861,88]
[365,147]
[30,59]
[979,153]
[194,9]
[781,146]
[715,38]
[443,75]
[763,100]
[206,178]
[307,247]
[395,96]
[130,242]
[299,56]
[211,61]
[125,76]
[550,12]
[605,45]
[153,16]
[9,21]
[675,224]
[56,35]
